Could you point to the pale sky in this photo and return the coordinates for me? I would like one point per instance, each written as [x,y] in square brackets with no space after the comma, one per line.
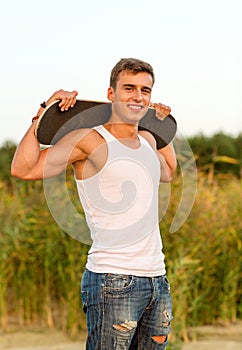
[194,46]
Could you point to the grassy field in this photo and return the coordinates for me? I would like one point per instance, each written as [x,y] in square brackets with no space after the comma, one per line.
[41,267]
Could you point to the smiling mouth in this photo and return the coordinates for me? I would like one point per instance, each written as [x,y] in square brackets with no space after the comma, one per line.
[134,107]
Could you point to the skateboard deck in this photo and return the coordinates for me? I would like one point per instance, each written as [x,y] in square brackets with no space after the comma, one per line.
[53,123]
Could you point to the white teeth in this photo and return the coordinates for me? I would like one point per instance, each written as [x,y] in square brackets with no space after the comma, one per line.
[135,107]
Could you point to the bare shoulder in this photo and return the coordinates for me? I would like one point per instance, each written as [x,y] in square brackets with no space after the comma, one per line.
[81,136]
[87,139]
[80,143]
[149,137]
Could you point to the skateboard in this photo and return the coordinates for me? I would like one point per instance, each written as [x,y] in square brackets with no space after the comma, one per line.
[53,123]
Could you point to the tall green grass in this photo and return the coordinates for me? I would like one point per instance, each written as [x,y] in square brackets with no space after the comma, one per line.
[41,267]
[204,257]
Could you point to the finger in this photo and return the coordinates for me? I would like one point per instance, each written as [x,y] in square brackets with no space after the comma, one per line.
[73,101]
[161,112]
[68,99]
[164,107]
[75,93]
[68,102]
[63,103]
[152,105]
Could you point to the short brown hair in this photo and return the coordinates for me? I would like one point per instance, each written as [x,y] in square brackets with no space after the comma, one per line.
[132,65]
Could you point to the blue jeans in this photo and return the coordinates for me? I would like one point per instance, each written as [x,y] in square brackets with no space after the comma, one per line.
[125,311]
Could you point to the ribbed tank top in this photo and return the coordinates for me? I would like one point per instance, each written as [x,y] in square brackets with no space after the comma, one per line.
[121,208]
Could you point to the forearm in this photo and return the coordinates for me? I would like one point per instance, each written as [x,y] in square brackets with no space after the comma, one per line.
[168,162]
[26,155]
[29,161]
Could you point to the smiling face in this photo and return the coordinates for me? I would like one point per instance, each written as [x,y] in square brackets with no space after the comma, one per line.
[130,97]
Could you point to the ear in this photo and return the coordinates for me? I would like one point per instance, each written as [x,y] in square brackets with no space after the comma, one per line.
[110,94]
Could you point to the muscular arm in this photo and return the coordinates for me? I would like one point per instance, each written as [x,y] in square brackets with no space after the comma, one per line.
[166,156]
[38,164]
[31,163]
[168,162]
[27,154]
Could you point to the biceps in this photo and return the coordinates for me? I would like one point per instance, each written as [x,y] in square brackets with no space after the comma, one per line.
[55,159]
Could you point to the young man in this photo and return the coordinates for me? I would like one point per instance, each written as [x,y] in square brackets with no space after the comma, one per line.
[117,168]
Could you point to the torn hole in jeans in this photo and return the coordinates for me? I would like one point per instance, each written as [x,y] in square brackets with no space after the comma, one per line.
[125,326]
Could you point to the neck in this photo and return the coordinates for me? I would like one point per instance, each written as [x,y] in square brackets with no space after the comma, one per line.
[122,130]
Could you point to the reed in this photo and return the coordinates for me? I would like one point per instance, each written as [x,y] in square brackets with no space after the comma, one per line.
[204,257]
[41,267]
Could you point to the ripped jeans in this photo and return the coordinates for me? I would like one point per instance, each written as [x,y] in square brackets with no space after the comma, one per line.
[126,312]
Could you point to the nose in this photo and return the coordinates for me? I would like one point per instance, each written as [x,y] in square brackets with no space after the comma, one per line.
[137,96]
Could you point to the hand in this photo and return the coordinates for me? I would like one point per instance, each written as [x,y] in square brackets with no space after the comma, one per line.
[68,99]
[162,111]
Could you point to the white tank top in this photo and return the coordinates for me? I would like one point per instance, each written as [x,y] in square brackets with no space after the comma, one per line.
[121,208]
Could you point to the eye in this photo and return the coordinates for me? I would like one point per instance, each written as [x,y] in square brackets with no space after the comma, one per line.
[146,91]
[128,88]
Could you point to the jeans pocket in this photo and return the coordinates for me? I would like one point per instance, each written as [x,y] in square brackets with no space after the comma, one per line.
[165,284]
[119,284]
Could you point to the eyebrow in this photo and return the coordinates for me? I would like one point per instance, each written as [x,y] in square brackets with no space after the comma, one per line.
[132,85]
